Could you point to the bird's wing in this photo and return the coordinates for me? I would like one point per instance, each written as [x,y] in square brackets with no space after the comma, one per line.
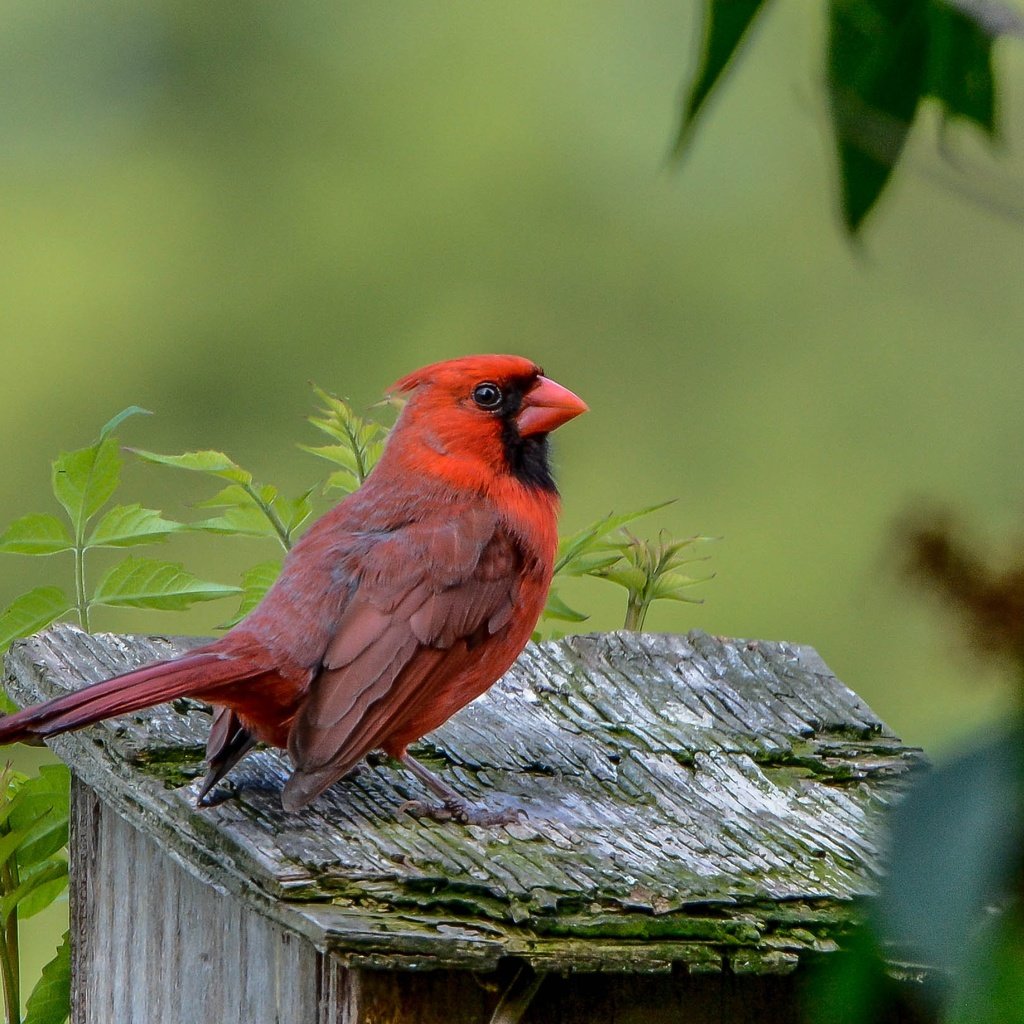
[425,596]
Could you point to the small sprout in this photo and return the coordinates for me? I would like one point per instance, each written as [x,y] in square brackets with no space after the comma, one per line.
[649,572]
[358,442]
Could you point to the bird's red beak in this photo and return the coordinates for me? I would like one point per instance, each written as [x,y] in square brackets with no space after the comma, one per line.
[547,405]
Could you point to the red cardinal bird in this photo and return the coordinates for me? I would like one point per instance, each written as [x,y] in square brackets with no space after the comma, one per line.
[402,604]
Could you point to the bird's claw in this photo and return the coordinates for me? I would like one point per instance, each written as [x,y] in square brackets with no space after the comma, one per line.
[217,794]
[462,813]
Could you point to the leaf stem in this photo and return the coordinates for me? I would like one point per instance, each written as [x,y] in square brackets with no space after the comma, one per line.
[82,601]
[10,970]
[359,452]
[9,965]
[275,520]
[636,612]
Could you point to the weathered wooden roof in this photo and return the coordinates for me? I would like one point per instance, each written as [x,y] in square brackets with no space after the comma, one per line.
[690,799]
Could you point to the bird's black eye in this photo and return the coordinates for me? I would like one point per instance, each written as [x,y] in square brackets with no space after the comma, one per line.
[487,395]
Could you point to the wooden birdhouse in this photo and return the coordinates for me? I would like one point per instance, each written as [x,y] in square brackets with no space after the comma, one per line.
[701,818]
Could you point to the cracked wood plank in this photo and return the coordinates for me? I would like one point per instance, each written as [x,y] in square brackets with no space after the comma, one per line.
[692,800]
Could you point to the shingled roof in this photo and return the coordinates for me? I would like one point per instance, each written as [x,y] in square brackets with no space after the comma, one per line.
[689,800]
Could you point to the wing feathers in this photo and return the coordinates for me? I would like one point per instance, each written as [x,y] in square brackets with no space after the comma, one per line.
[335,701]
[365,623]
[424,596]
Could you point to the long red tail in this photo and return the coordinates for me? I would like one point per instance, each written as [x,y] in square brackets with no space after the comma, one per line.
[154,684]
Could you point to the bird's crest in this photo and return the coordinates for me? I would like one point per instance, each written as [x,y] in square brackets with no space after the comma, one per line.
[482,367]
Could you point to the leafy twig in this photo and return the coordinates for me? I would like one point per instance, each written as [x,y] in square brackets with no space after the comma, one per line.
[33,873]
[649,572]
[358,442]
[606,550]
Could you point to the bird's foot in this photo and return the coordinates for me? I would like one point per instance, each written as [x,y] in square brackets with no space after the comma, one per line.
[213,795]
[462,813]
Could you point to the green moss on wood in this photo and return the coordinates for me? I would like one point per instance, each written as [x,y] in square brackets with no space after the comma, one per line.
[690,800]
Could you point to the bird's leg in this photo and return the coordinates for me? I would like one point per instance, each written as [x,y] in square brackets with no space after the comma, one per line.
[229,742]
[453,807]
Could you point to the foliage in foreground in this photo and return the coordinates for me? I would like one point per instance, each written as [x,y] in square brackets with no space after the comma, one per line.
[952,900]
[34,811]
[885,59]
[33,873]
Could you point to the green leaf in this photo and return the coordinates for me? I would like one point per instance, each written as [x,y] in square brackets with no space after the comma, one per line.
[36,535]
[10,780]
[556,608]
[852,985]
[255,583]
[46,874]
[295,511]
[571,548]
[340,454]
[629,576]
[10,841]
[239,496]
[670,587]
[42,804]
[207,461]
[36,841]
[145,583]
[46,890]
[960,72]
[84,480]
[360,442]
[30,613]
[726,22]
[124,525]
[50,1001]
[340,480]
[991,990]
[877,51]
[238,521]
[255,513]
[112,424]
[592,563]
[941,878]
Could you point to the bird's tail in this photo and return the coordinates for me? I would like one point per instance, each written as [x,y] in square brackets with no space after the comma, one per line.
[189,675]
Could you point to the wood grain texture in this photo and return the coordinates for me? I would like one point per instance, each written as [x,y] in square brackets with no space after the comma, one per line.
[153,944]
[692,801]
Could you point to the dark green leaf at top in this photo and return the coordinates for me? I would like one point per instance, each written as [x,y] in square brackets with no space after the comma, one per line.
[725,24]
[960,66]
[877,53]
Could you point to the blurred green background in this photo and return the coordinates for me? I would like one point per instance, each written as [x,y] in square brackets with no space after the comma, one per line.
[206,206]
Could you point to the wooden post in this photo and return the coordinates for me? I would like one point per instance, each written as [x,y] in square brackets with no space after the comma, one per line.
[703,816]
